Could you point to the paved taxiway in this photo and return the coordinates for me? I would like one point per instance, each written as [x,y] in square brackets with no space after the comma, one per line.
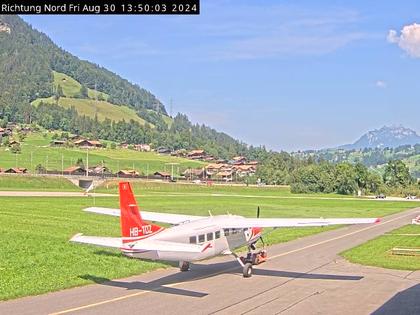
[305,276]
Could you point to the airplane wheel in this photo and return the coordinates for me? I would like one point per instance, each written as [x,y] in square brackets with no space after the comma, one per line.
[184,265]
[247,271]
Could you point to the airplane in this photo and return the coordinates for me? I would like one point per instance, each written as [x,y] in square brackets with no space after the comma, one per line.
[192,238]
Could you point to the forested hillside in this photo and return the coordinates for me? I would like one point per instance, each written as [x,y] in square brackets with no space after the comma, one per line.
[28,58]
[33,68]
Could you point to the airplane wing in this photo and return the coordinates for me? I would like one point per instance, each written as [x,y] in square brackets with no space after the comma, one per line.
[236,222]
[149,216]
[116,242]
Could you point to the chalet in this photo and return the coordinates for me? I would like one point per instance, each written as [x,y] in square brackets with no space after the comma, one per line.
[196,154]
[83,143]
[162,150]
[245,170]
[16,170]
[74,170]
[238,160]
[58,143]
[128,173]
[163,175]
[142,147]
[194,173]
[100,170]
[225,175]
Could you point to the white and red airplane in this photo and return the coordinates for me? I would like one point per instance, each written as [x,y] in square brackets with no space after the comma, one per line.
[192,238]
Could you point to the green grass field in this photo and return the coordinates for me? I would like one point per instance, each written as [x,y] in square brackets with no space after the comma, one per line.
[35,183]
[36,257]
[71,87]
[37,146]
[90,108]
[377,252]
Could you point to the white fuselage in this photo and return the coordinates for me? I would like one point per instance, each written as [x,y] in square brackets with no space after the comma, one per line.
[206,232]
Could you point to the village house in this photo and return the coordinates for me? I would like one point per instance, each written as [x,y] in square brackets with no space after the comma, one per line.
[245,170]
[84,143]
[142,147]
[238,160]
[196,154]
[74,170]
[58,143]
[128,173]
[225,175]
[16,170]
[163,150]
[195,173]
[162,175]
[100,170]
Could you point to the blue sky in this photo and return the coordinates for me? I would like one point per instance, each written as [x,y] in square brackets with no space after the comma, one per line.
[287,74]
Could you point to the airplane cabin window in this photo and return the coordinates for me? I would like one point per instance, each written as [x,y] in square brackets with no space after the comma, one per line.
[193,239]
[210,236]
[217,234]
[226,232]
[201,238]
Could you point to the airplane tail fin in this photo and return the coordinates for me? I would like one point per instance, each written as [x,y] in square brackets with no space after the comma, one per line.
[132,226]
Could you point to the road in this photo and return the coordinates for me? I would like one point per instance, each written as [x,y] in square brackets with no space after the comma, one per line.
[305,276]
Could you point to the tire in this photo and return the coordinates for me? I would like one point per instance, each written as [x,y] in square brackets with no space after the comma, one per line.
[184,266]
[247,271]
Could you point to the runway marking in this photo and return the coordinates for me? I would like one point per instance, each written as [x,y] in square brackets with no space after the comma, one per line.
[225,270]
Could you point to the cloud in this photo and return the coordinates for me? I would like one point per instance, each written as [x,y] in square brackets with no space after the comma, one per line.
[380,84]
[409,40]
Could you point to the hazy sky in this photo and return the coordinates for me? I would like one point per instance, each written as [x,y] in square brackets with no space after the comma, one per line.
[288,74]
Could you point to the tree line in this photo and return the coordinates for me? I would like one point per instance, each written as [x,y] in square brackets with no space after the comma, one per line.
[311,176]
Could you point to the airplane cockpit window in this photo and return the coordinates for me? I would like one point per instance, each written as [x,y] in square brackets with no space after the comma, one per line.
[193,239]
[210,236]
[217,234]
[201,238]
[226,231]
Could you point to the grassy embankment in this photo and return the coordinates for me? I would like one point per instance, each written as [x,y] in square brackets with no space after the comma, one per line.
[378,252]
[37,257]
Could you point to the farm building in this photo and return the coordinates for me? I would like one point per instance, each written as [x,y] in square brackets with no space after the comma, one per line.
[163,175]
[83,143]
[16,170]
[74,170]
[194,173]
[196,154]
[128,173]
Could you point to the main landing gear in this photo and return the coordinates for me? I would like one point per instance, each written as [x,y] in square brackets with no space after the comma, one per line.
[184,265]
[250,260]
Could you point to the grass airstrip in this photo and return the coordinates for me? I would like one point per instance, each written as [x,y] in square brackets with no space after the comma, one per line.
[36,257]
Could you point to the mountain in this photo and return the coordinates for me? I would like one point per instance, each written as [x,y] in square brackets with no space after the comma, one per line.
[40,83]
[28,59]
[387,136]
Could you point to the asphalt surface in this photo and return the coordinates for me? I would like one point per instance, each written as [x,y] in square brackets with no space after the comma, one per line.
[305,276]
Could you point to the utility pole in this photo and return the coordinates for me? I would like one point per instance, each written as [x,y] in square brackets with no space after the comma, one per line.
[87,162]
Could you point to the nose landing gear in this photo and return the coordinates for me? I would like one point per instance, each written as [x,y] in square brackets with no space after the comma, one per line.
[250,260]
